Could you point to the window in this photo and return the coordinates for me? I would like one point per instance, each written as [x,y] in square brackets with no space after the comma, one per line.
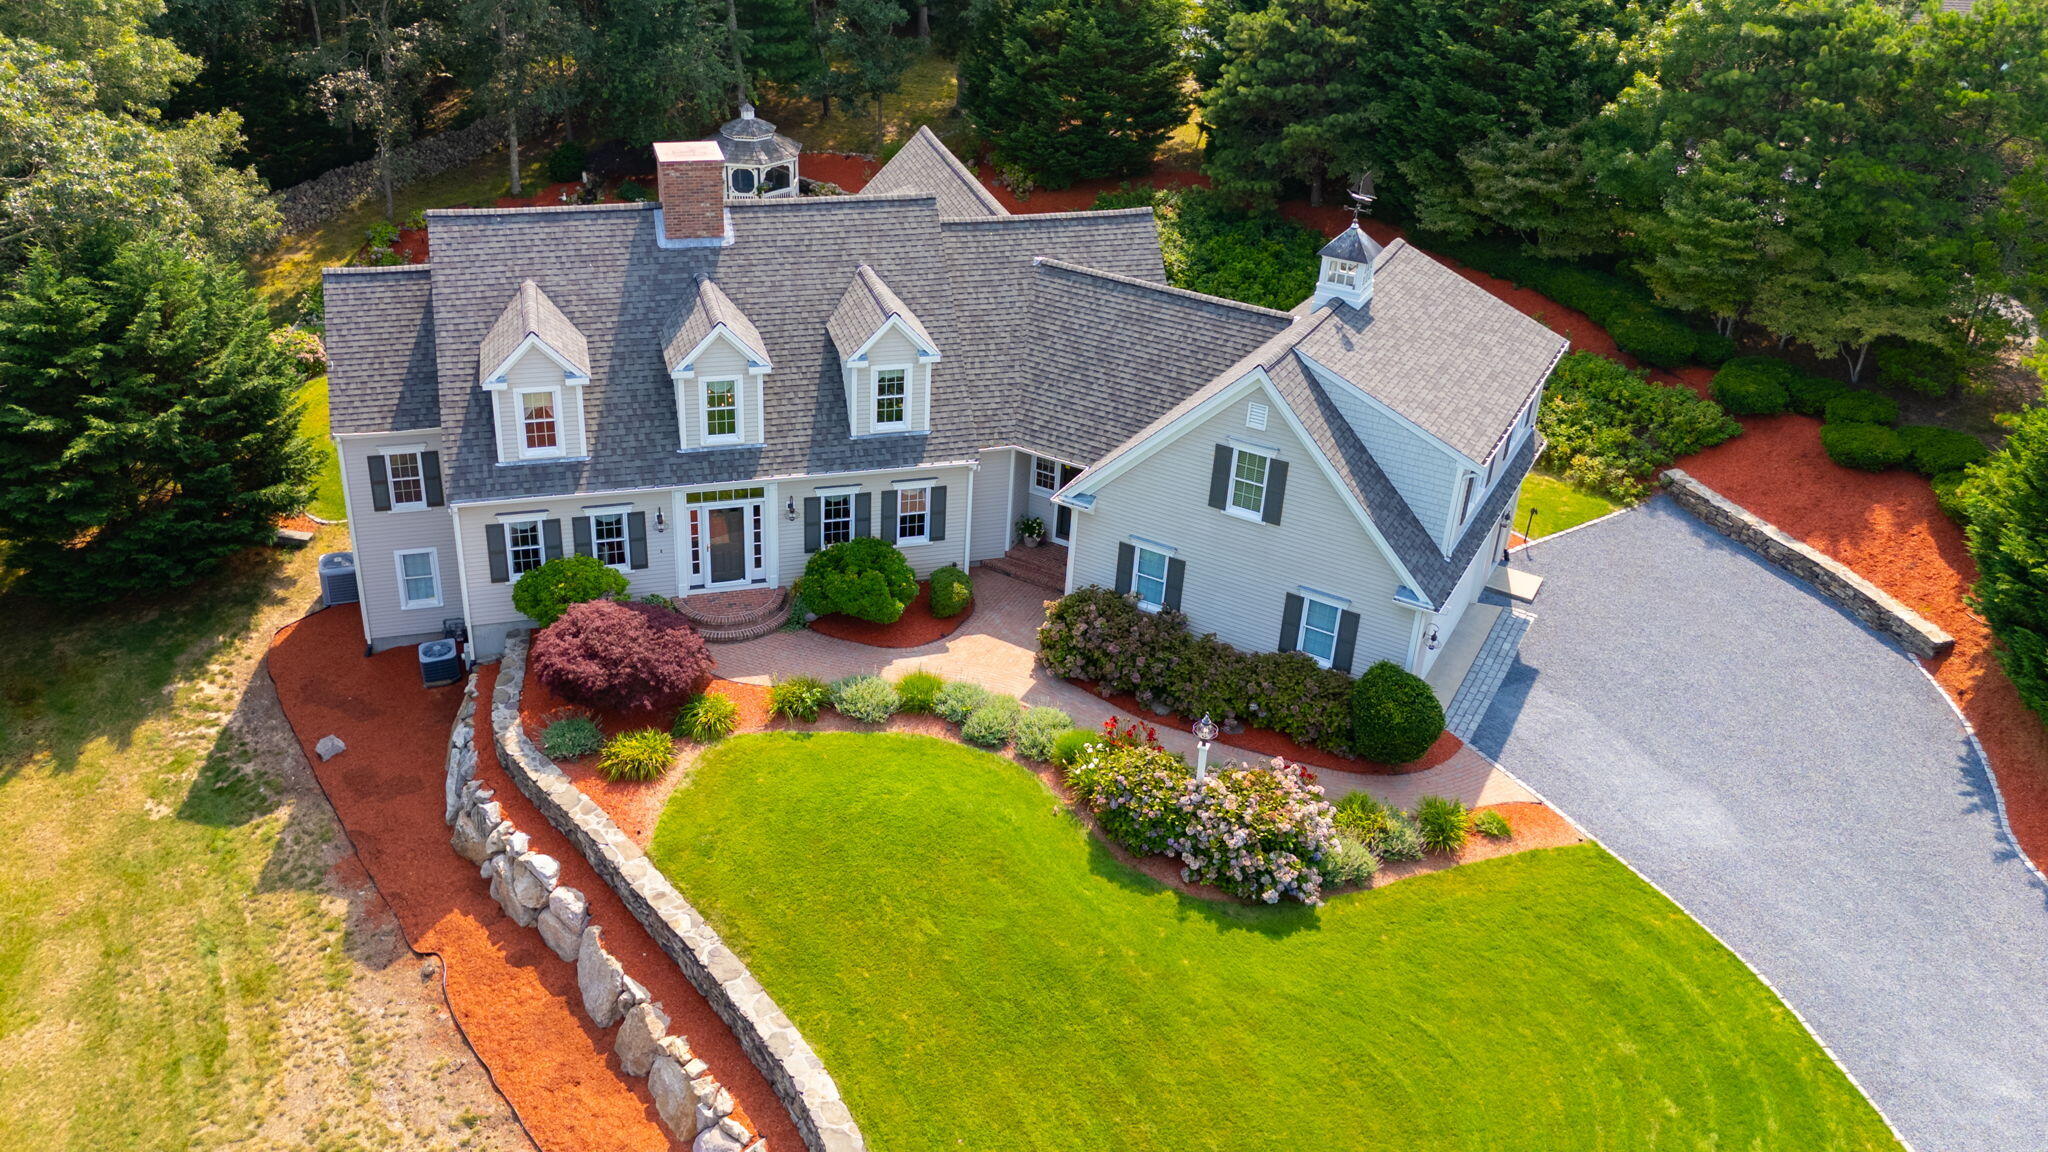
[1319,630]
[891,393]
[913,515]
[1248,483]
[775,179]
[524,550]
[1344,272]
[608,538]
[419,579]
[408,481]
[1044,474]
[743,181]
[1148,578]
[1469,489]
[836,514]
[537,421]
[721,410]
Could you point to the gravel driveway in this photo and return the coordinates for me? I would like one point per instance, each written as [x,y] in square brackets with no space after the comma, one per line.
[1802,788]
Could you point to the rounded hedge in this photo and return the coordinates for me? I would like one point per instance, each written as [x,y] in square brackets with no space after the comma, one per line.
[566,162]
[863,578]
[1932,451]
[1854,407]
[544,593]
[951,590]
[1654,338]
[1712,348]
[1753,386]
[1811,394]
[1869,447]
[1927,369]
[1394,715]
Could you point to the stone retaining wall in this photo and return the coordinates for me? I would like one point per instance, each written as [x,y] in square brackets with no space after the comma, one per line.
[526,884]
[1832,579]
[776,1047]
[313,202]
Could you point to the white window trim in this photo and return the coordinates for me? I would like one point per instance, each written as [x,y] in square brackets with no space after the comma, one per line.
[433,556]
[625,535]
[1336,604]
[1230,505]
[512,523]
[875,397]
[826,519]
[926,538]
[416,450]
[1035,485]
[1165,554]
[561,448]
[704,412]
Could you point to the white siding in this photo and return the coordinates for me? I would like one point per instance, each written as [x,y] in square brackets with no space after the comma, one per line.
[1423,473]
[1240,572]
[1031,500]
[991,511]
[536,370]
[1463,596]
[491,604]
[376,536]
[789,544]
[719,362]
[893,350]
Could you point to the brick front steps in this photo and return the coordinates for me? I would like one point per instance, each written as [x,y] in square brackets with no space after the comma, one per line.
[1045,565]
[742,614]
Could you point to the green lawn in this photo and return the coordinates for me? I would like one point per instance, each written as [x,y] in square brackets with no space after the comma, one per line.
[327,503]
[1558,506]
[977,972]
[926,96]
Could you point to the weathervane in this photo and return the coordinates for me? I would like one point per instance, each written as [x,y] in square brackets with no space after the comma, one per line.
[1361,196]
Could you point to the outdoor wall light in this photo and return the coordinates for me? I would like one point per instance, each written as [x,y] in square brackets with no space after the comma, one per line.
[1433,640]
[660,521]
[789,510]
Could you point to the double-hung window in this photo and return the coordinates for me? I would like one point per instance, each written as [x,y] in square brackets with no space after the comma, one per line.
[892,395]
[913,515]
[836,519]
[1248,483]
[419,578]
[525,549]
[408,481]
[721,410]
[1148,577]
[608,539]
[539,423]
[1319,620]
[1045,474]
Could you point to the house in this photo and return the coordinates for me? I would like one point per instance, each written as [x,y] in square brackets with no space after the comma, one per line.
[703,390]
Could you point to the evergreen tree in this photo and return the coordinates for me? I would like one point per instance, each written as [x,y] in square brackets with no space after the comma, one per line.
[147,422]
[2008,510]
[1537,185]
[1071,89]
[865,56]
[782,45]
[1289,102]
[661,69]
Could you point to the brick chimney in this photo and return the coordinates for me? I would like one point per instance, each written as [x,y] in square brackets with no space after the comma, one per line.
[690,180]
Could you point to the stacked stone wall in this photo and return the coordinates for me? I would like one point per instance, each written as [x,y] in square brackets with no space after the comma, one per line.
[307,205]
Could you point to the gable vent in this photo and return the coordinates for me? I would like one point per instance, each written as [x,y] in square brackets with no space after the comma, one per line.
[1255,417]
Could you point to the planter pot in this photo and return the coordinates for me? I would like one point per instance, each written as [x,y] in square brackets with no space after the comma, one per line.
[1033,541]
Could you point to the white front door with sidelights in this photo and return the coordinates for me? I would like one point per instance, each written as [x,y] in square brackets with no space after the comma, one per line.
[725,538]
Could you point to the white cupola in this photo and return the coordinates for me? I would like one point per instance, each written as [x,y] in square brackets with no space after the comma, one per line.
[1346,273]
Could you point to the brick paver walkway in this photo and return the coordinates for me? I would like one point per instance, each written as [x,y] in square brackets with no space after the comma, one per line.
[997,649]
[1484,678]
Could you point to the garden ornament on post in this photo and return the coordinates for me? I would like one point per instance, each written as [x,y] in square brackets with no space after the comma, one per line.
[1205,731]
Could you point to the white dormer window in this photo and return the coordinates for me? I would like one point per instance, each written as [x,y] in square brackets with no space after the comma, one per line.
[540,422]
[892,398]
[721,411]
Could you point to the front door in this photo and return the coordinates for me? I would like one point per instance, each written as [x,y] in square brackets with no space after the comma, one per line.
[1063,516]
[728,544]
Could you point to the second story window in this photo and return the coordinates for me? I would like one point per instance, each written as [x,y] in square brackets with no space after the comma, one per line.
[721,410]
[1248,483]
[538,424]
[836,519]
[1148,578]
[525,549]
[408,481]
[892,390]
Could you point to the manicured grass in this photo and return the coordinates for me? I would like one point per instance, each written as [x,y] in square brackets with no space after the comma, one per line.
[1558,505]
[977,972]
[327,502]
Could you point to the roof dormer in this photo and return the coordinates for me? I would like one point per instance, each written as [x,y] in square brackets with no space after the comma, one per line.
[535,362]
[1346,272]
[886,357]
[719,365]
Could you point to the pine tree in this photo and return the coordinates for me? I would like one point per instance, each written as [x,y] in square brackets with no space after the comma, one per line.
[866,57]
[782,47]
[661,69]
[147,423]
[1289,102]
[1070,89]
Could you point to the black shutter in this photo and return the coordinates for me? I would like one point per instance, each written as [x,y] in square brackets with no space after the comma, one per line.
[380,485]
[889,515]
[814,526]
[1176,571]
[1276,489]
[1347,640]
[863,514]
[1126,559]
[430,466]
[494,543]
[1219,476]
[551,538]
[580,526]
[636,539]
[1290,623]
[936,521]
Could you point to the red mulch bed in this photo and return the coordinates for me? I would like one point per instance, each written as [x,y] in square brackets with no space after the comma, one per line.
[514,999]
[411,244]
[849,172]
[1271,743]
[915,628]
[299,523]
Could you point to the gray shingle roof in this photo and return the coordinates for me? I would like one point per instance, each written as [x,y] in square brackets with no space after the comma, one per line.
[1438,349]
[925,164]
[702,315]
[748,139]
[1352,244]
[867,305]
[531,313]
[380,349]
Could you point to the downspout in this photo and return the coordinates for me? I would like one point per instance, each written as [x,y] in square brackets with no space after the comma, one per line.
[967,522]
[462,574]
[348,509]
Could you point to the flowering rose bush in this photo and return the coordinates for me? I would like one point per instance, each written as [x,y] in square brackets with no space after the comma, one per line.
[1257,832]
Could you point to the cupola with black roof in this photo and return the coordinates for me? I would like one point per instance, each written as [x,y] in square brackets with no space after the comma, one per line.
[1346,272]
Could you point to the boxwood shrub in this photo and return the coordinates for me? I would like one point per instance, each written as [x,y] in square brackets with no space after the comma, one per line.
[951,590]
[1855,407]
[1927,369]
[864,578]
[544,593]
[1932,451]
[1713,349]
[1812,394]
[1655,337]
[1394,715]
[1753,385]
[1869,447]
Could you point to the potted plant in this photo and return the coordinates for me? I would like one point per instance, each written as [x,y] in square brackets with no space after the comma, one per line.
[1031,530]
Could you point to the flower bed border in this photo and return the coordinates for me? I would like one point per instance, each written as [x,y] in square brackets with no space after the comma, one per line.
[785,1058]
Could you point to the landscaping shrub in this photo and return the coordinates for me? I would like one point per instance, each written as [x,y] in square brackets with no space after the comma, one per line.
[1443,822]
[1932,451]
[1712,348]
[918,691]
[1810,394]
[869,699]
[1394,716]
[1655,337]
[1213,244]
[1073,744]
[709,717]
[863,578]
[993,722]
[1954,492]
[1360,814]
[1400,841]
[1609,427]
[544,593]
[605,654]
[643,755]
[1492,825]
[957,700]
[1854,407]
[1348,861]
[1039,732]
[633,193]
[2008,509]
[566,162]
[1870,447]
[1927,369]
[799,698]
[570,737]
[1753,386]
[951,590]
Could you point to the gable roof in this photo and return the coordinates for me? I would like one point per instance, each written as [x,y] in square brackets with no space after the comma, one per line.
[531,313]
[711,308]
[865,307]
[925,164]
[380,347]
